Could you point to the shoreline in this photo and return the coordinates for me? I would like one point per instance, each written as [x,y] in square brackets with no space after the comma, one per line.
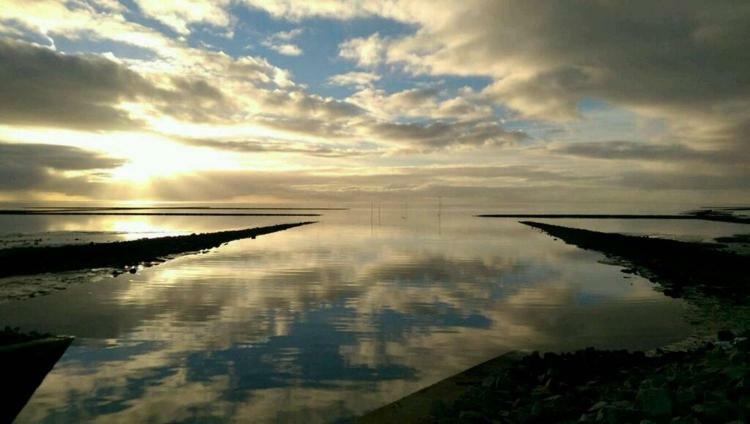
[120,254]
[701,217]
[678,267]
[19,212]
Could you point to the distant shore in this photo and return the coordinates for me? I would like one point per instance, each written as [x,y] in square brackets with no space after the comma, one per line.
[142,208]
[132,213]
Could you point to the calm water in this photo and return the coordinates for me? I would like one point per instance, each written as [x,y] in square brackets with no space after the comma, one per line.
[328,320]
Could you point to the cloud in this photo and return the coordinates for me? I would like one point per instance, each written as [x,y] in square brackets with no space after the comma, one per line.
[681,61]
[39,167]
[357,79]
[365,52]
[672,76]
[280,42]
[180,15]
[281,146]
[631,150]
[686,181]
[83,20]
[685,62]
[41,87]
[332,9]
[423,102]
[438,134]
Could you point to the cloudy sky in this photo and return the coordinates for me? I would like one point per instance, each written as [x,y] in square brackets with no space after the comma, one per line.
[492,102]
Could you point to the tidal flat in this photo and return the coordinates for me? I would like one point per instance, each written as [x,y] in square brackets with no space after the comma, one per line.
[329,321]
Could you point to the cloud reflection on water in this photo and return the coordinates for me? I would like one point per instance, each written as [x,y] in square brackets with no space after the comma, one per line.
[328,321]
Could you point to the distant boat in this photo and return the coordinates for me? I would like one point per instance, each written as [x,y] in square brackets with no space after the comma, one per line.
[24,364]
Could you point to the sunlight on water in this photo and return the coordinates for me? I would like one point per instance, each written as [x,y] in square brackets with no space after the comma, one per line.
[329,320]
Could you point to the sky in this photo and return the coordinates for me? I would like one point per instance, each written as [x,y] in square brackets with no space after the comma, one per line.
[602,102]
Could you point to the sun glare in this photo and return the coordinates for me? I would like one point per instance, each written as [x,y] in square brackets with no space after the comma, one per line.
[134,228]
[145,155]
[167,159]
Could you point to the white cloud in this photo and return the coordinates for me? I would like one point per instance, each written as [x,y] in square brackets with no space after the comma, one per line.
[357,79]
[280,42]
[81,21]
[285,49]
[180,15]
[366,52]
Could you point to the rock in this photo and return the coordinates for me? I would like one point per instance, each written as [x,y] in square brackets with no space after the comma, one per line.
[537,409]
[587,418]
[744,404]
[743,345]
[597,406]
[472,417]
[685,420]
[623,404]
[719,411]
[654,402]
[743,385]
[725,336]
[613,415]
[738,358]
[685,398]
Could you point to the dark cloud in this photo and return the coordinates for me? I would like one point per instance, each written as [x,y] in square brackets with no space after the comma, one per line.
[683,60]
[677,52]
[689,181]
[297,102]
[41,87]
[36,166]
[195,100]
[647,152]
[440,134]
[261,146]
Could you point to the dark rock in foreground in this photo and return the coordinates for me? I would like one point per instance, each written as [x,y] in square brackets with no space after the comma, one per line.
[705,385]
[25,360]
[709,384]
[122,254]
